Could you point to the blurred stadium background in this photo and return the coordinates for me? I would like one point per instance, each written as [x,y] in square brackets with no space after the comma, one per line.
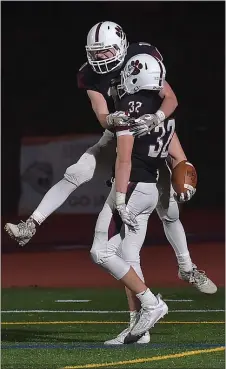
[47,123]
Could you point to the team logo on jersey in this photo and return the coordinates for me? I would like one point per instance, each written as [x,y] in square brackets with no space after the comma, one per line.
[135,67]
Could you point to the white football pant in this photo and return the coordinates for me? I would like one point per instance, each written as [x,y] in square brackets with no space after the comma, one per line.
[115,246]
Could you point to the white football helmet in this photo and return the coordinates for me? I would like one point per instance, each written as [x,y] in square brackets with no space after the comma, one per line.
[106,47]
[141,72]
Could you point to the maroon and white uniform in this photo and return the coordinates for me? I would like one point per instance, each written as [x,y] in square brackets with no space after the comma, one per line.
[87,79]
[115,246]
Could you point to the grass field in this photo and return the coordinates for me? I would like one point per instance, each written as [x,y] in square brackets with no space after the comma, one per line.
[40,333]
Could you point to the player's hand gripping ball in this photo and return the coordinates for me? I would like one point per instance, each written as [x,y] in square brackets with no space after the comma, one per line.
[184,181]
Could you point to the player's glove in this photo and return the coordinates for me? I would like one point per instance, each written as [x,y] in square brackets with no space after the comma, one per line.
[127,217]
[185,196]
[146,123]
[116,119]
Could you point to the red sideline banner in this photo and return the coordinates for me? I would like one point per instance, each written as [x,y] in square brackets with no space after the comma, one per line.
[44,161]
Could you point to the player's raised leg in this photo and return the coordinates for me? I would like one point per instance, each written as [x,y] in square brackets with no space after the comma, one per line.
[75,175]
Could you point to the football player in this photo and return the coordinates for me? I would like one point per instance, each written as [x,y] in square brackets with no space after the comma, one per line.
[107,53]
[121,226]
[138,162]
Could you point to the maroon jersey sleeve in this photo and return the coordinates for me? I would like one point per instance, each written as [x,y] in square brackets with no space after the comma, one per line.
[150,49]
[156,54]
[143,48]
[86,78]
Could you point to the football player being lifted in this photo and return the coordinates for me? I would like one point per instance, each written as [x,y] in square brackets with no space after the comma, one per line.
[107,54]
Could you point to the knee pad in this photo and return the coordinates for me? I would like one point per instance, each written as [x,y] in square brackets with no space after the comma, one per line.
[97,256]
[82,171]
[115,265]
[99,250]
[169,213]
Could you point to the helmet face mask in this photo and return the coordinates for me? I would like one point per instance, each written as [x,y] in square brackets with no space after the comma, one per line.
[122,88]
[102,65]
[99,55]
[106,47]
[141,72]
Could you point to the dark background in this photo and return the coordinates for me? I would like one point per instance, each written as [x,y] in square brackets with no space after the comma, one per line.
[43,46]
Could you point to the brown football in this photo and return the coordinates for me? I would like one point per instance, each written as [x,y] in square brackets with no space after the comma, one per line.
[183,175]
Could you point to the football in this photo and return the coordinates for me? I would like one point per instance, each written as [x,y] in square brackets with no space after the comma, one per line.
[183,176]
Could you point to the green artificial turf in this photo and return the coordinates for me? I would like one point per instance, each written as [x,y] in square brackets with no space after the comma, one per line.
[64,340]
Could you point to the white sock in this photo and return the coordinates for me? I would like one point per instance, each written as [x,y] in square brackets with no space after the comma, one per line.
[175,234]
[53,199]
[147,298]
[184,262]
[38,217]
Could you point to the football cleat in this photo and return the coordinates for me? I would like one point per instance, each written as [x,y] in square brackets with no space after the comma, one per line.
[149,316]
[125,338]
[199,279]
[22,232]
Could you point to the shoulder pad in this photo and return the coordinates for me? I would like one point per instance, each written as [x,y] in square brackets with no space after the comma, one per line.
[157,54]
[87,79]
[144,44]
[144,48]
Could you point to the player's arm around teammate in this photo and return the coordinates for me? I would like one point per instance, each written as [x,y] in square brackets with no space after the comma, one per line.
[146,123]
[142,125]
[100,108]
[169,103]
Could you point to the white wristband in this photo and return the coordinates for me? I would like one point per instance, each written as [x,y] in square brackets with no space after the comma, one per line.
[160,115]
[120,198]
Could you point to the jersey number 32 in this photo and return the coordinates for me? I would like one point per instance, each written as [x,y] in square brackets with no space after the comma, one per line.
[165,131]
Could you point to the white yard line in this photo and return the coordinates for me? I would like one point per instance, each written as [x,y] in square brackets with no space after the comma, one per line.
[72,300]
[104,311]
[178,300]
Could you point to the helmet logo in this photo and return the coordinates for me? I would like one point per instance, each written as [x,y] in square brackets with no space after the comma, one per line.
[135,67]
[118,31]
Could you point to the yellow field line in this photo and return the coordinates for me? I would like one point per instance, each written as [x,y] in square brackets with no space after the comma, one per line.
[101,322]
[148,359]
